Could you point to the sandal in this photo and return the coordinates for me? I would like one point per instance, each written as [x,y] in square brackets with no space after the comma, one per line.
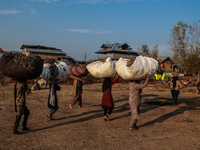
[50,118]
[70,105]
[106,118]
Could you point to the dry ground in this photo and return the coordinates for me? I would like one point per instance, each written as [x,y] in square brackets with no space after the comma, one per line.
[161,125]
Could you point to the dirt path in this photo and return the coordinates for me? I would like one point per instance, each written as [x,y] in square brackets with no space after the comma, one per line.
[161,125]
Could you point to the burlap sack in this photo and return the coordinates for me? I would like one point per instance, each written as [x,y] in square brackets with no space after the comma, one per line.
[55,71]
[21,67]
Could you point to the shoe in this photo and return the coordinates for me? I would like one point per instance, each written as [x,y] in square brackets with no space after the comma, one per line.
[106,118]
[49,117]
[16,132]
[80,106]
[133,128]
[25,129]
[70,105]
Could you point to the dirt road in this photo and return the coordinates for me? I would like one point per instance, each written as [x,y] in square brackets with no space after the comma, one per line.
[161,125]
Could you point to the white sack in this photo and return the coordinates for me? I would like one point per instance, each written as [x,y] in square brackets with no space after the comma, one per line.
[101,69]
[138,70]
[58,71]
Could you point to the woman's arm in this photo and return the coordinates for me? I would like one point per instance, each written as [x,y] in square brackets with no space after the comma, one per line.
[140,86]
[116,79]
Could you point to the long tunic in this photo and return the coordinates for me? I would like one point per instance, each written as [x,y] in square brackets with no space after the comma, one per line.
[178,85]
[52,100]
[135,97]
[107,99]
[77,87]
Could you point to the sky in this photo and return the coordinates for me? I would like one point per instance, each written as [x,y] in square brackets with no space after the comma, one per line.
[83,26]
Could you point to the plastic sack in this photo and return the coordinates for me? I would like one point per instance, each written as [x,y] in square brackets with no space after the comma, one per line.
[138,69]
[20,66]
[55,71]
[102,69]
[78,70]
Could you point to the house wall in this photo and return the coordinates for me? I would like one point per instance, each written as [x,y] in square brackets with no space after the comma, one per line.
[47,56]
[113,55]
[168,66]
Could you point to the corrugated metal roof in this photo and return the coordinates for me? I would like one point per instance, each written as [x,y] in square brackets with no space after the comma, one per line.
[38,47]
[117,51]
[50,51]
[116,47]
[1,55]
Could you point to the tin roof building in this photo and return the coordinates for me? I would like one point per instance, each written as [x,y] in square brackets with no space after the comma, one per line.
[115,51]
[45,52]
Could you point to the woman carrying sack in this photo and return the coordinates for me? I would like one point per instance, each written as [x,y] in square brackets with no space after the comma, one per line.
[52,100]
[107,99]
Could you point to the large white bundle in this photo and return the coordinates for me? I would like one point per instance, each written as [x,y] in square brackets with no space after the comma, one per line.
[100,69]
[55,71]
[138,70]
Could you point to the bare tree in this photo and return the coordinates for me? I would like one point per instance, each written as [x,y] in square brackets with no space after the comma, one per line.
[178,42]
[155,51]
[144,49]
[185,45]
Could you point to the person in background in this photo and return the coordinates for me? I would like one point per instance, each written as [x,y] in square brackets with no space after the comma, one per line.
[77,91]
[135,100]
[107,99]
[52,99]
[198,87]
[175,89]
[21,89]
[36,86]
[190,81]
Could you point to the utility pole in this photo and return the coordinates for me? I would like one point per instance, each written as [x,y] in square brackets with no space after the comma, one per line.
[85,57]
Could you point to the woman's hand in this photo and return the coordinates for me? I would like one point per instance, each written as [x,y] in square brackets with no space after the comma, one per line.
[148,76]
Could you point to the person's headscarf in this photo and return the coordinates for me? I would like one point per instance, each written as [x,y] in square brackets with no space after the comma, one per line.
[174,81]
[106,84]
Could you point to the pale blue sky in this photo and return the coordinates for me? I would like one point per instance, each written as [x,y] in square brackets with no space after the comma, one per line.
[82,26]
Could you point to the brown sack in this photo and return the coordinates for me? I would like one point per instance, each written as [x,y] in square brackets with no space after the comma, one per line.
[21,67]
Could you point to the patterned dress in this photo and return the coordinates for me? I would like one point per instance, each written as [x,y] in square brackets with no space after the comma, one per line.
[21,89]
[107,99]
[135,98]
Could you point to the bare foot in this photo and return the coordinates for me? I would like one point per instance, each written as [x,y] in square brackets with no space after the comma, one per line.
[70,105]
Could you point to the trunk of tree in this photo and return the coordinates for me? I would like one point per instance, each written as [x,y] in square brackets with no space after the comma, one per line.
[198,76]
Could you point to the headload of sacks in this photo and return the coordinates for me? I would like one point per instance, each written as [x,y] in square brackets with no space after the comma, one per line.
[78,70]
[101,68]
[140,67]
[20,66]
[55,71]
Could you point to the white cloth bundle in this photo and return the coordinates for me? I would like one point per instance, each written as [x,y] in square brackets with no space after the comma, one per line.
[138,70]
[101,69]
[57,71]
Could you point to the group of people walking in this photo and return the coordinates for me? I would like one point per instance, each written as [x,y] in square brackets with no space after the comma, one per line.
[135,98]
